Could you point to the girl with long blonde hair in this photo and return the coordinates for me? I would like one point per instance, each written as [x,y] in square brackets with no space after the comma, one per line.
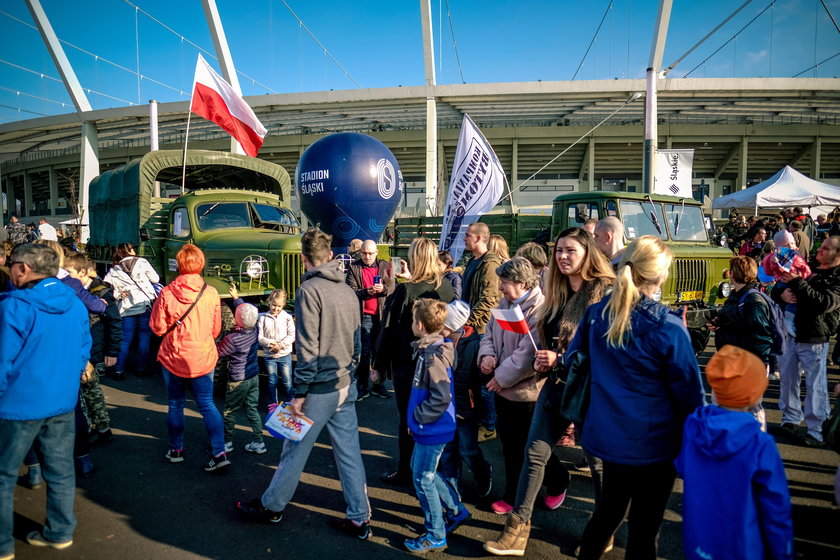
[644,382]
[394,354]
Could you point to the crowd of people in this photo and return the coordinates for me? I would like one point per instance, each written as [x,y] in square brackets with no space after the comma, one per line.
[474,352]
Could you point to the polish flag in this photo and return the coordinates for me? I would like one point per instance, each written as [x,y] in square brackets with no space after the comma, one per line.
[511,319]
[215,100]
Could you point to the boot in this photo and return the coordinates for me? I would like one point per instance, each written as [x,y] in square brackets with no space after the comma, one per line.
[513,540]
[84,466]
[34,477]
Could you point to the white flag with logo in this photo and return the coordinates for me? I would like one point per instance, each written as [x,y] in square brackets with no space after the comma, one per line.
[475,187]
[673,172]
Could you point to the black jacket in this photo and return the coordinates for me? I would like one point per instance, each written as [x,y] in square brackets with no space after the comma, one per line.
[466,377]
[355,281]
[105,329]
[393,347]
[746,326]
[818,304]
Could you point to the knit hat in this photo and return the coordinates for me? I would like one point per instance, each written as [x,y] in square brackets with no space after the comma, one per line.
[738,378]
[784,239]
[457,313]
[246,315]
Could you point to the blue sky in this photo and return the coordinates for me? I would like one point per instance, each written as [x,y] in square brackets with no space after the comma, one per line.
[379,43]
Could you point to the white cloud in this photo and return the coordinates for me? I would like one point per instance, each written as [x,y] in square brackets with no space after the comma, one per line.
[755,57]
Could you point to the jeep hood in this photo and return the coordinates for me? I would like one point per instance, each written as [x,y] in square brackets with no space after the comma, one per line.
[256,238]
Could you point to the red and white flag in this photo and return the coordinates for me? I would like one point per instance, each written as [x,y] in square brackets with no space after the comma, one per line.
[511,319]
[215,100]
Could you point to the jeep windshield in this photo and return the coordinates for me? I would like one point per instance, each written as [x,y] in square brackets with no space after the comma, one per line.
[635,214]
[223,215]
[272,215]
[686,223]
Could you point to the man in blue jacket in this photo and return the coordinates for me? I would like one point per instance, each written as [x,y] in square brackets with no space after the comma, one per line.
[44,346]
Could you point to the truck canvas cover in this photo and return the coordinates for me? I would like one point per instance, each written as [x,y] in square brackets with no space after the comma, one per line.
[121,199]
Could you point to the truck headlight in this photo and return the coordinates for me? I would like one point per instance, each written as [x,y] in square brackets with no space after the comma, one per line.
[254,269]
[657,295]
[725,289]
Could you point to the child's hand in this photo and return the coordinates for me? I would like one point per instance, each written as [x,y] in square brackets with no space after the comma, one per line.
[234,293]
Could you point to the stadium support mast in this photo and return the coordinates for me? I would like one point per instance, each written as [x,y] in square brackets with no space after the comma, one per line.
[431,111]
[657,49]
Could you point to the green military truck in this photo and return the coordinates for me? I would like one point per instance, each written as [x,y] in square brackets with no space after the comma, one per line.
[698,280]
[235,209]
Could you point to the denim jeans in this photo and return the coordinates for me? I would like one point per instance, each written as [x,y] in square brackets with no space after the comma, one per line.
[812,358]
[202,388]
[370,326]
[53,438]
[464,448]
[138,324]
[488,409]
[433,492]
[540,464]
[279,369]
[336,412]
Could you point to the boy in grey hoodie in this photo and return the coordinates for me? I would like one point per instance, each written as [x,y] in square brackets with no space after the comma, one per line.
[328,347]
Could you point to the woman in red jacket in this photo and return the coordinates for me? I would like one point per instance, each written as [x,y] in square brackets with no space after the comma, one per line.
[187,314]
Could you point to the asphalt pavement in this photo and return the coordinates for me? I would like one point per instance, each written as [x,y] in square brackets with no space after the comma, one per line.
[137,506]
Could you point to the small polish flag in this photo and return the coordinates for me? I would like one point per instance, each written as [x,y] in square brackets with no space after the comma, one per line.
[511,319]
[215,100]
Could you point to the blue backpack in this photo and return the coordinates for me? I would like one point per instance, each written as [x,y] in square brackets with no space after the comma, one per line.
[777,321]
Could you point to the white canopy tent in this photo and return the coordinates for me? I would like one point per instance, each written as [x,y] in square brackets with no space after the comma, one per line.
[788,187]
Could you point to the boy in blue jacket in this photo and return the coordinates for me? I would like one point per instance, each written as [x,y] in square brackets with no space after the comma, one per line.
[243,388]
[736,502]
[431,421]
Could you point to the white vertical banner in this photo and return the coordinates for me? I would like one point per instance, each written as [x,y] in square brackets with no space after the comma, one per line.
[475,187]
[673,172]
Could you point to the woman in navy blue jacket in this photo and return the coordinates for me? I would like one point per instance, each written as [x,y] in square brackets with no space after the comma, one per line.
[644,383]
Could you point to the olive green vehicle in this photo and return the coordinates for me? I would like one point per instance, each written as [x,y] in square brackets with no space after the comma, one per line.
[698,279]
[235,209]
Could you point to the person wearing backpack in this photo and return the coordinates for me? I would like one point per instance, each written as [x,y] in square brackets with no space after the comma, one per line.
[745,320]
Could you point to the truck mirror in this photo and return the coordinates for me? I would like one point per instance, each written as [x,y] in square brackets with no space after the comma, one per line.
[144,234]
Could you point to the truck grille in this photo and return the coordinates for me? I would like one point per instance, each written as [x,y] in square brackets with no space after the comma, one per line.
[290,273]
[689,275]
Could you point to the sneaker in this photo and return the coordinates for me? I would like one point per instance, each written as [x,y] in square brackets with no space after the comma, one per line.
[608,548]
[33,477]
[119,376]
[582,465]
[483,487]
[36,538]
[380,392]
[554,502]
[424,543]
[361,532]
[789,429]
[811,441]
[9,556]
[501,507]
[228,447]
[175,455]
[217,462]
[568,439]
[100,436]
[363,394]
[452,523]
[254,510]
[396,478]
[485,435]
[257,447]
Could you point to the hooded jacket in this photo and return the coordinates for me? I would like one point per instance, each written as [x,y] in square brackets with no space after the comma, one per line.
[44,347]
[431,410]
[190,349]
[736,502]
[818,304]
[241,344]
[132,280]
[514,352]
[328,331]
[745,325]
[105,329]
[640,394]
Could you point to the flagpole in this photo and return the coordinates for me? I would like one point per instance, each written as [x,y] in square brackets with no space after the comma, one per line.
[510,195]
[532,341]
[186,139]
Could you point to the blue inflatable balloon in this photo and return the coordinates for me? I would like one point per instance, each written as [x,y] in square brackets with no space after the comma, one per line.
[349,184]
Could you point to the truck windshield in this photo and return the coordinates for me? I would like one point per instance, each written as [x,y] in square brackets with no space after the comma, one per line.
[275,215]
[692,226]
[222,215]
[637,220]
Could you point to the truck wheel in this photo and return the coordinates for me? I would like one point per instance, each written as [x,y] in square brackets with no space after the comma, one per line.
[699,338]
